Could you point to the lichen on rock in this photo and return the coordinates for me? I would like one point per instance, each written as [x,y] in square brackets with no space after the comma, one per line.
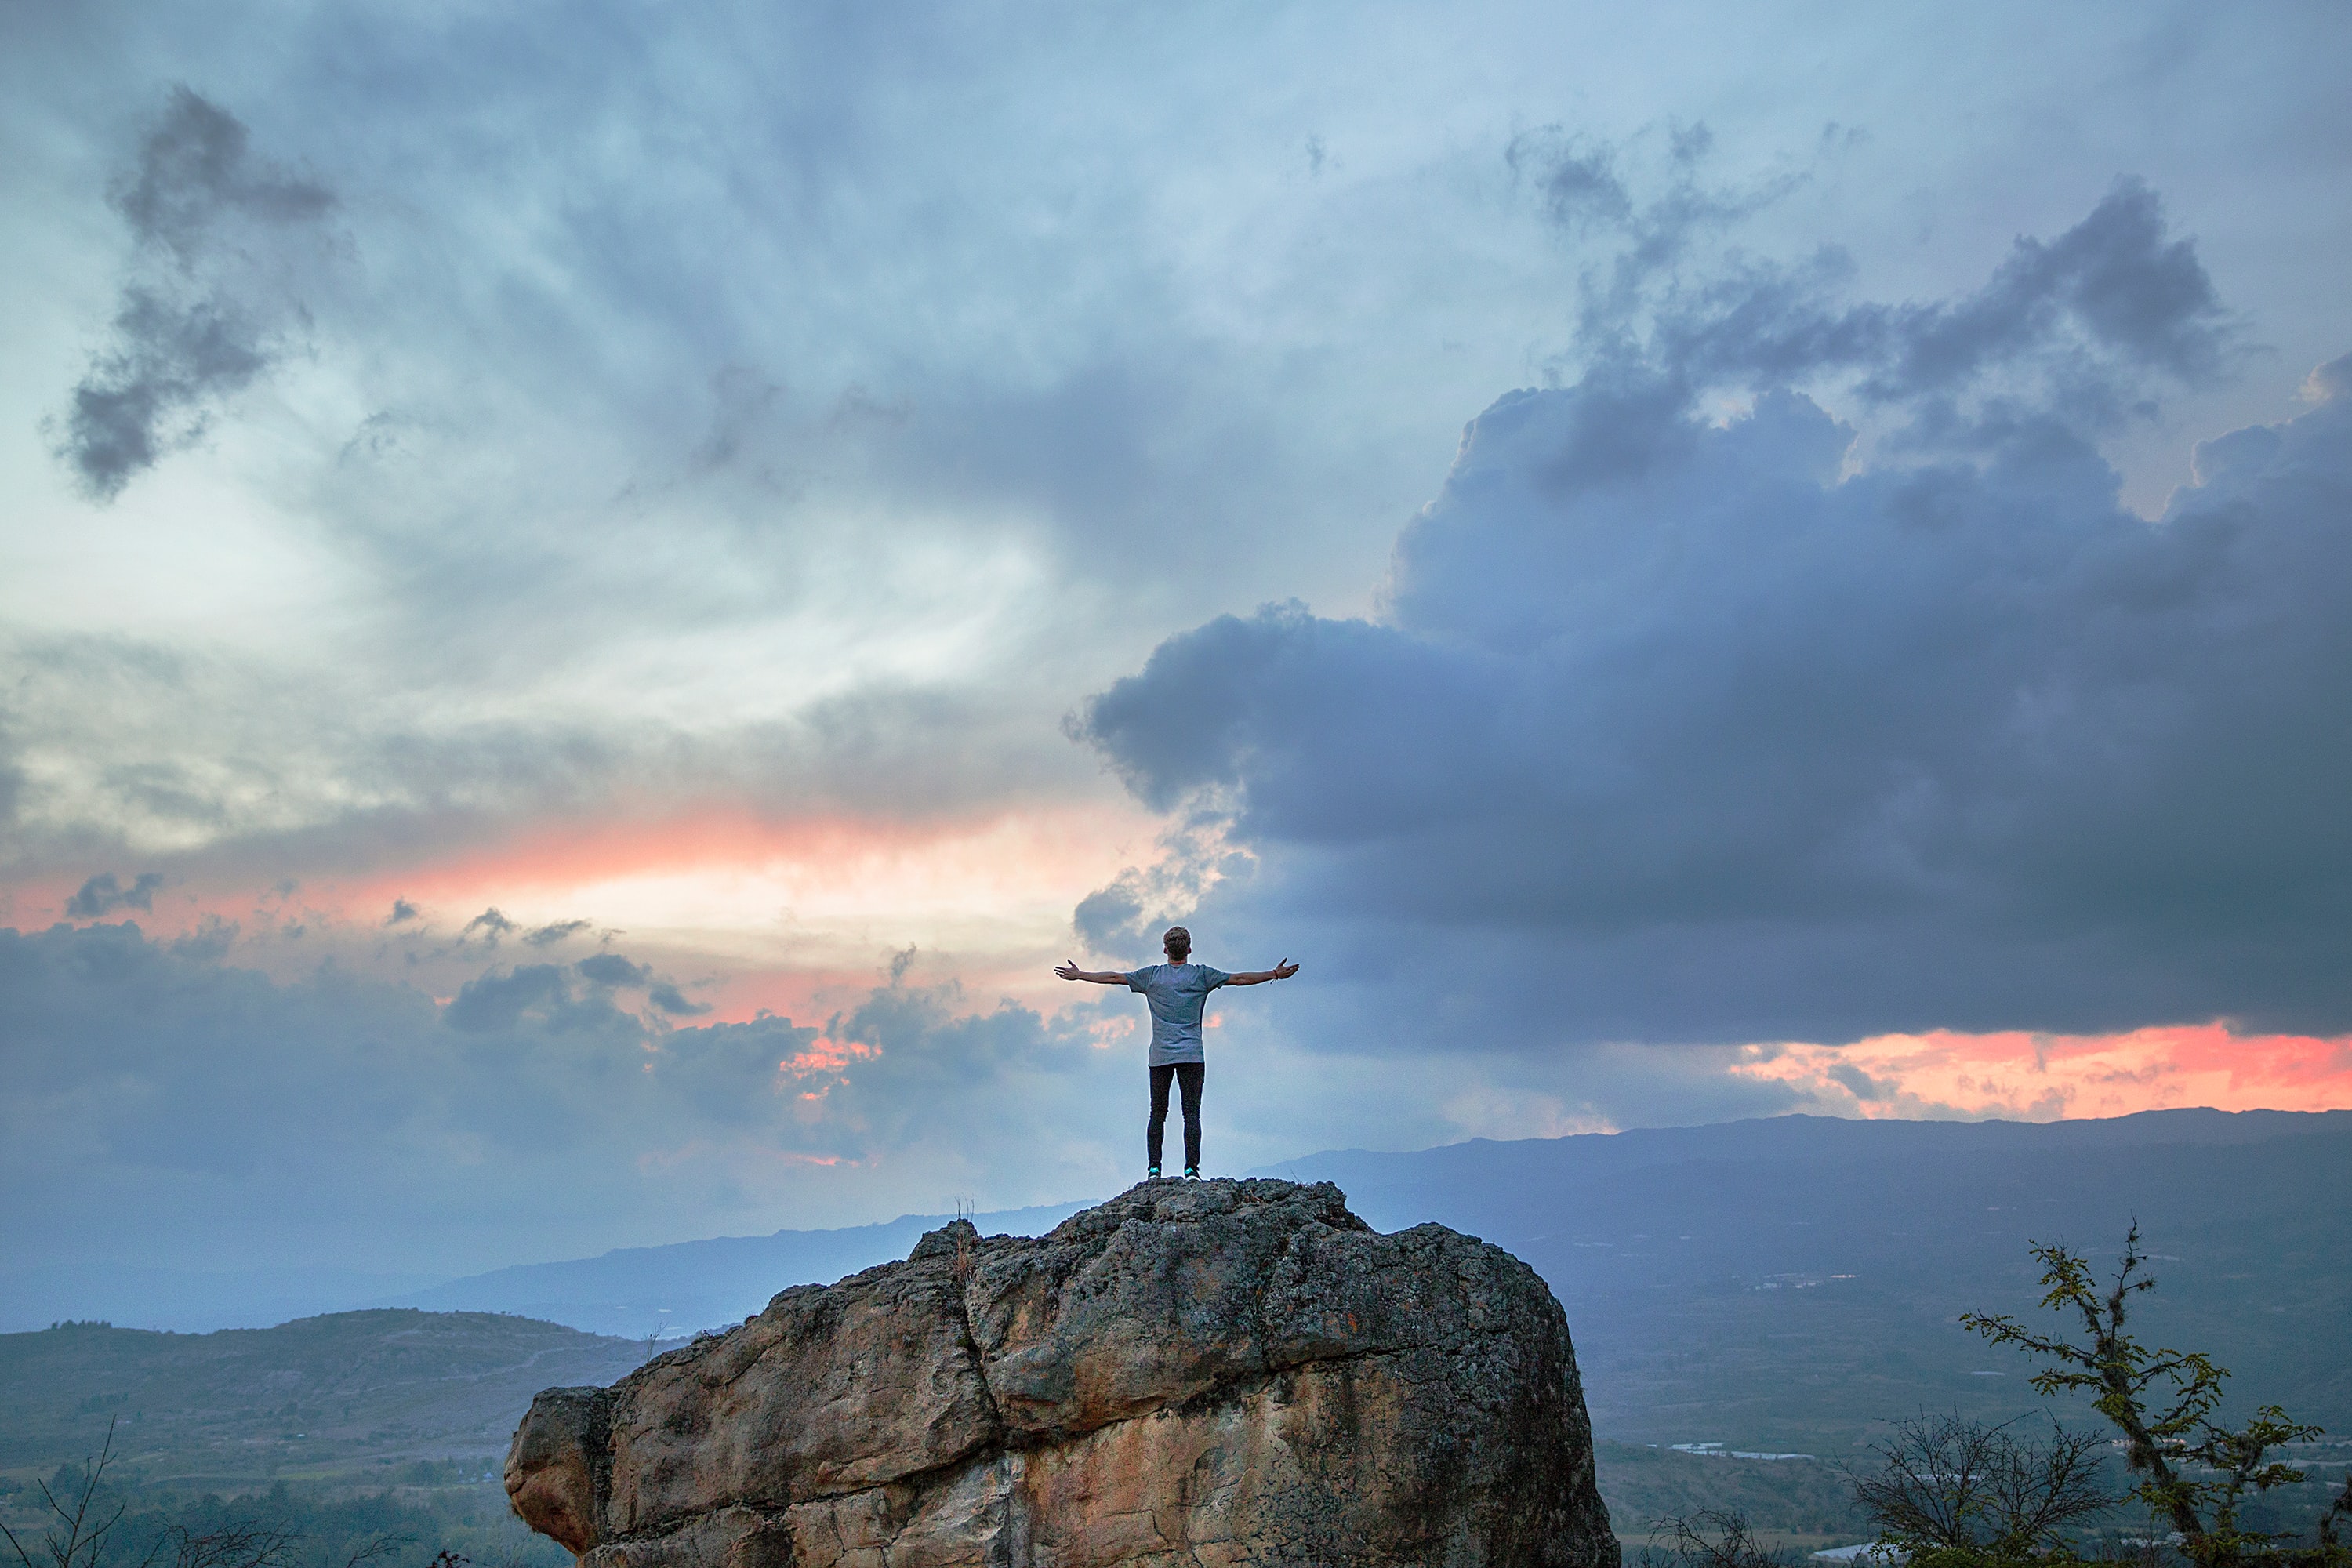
[1214,1373]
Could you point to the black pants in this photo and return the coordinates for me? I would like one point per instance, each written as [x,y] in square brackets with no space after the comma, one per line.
[1188,1077]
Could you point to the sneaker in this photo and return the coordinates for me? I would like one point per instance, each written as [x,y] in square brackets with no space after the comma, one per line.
[1191,1173]
[1152,1174]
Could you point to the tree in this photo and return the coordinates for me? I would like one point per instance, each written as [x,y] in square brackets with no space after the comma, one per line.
[79,1521]
[2196,1473]
[82,1526]
[1708,1539]
[1964,1492]
[1955,1486]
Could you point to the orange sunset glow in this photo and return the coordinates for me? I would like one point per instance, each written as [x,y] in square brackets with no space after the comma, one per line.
[2041,1078]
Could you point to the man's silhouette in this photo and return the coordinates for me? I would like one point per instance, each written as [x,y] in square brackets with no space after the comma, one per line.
[1177,991]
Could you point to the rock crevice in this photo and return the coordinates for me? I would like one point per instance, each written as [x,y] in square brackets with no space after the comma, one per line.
[1209,1373]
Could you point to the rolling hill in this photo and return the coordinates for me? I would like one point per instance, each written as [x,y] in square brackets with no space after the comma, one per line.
[353,1393]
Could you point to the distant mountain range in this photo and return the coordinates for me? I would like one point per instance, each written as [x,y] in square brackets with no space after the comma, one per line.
[319,1396]
[1777,1285]
[640,1291]
[1785,1284]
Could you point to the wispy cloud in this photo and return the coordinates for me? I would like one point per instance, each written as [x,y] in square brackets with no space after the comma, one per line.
[104,893]
[204,310]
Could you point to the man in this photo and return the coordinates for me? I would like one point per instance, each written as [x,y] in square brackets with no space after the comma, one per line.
[1177,991]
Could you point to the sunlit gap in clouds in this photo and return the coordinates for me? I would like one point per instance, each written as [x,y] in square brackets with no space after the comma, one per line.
[2033,1076]
[790,916]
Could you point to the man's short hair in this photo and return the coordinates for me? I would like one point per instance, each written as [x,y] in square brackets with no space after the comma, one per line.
[1179,936]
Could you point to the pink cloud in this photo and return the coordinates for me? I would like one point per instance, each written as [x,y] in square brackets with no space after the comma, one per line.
[2041,1077]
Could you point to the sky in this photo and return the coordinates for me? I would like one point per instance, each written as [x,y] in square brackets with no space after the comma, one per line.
[592,595]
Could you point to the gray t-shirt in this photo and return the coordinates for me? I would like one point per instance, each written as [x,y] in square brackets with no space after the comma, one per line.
[1177,993]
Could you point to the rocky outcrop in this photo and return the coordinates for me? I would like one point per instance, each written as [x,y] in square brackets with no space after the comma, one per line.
[1199,1373]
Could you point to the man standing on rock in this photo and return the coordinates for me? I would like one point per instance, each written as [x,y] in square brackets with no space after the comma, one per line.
[1177,991]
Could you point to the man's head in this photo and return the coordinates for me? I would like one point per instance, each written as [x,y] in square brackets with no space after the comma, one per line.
[1179,943]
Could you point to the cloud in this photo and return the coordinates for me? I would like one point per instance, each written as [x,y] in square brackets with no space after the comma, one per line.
[206,763]
[491,923]
[2075,330]
[672,1002]
[103,894]
[2039,1075]
[1130,914]
[11,782]
[210,941]
[403,912]
[538,991]
[348,1119]
[1859,1083]
[197,168]
[1728,732]
[2084,320]
[612,969]
[555,932]
[204,313]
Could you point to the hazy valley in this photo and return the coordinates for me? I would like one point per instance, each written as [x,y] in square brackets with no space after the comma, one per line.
[1786,1287]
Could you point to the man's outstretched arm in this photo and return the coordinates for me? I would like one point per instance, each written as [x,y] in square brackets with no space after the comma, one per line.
[1282,971]
[1068,970]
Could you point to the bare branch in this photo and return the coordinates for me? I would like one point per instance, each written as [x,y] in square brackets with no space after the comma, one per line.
[72,1541]
[1686,1544]
[1953,1484]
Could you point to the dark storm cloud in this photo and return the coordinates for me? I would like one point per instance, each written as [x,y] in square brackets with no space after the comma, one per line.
[1726,742]
[202,316]
[104,893]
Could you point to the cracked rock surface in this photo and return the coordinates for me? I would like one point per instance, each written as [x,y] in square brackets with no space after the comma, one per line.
[1197,1373]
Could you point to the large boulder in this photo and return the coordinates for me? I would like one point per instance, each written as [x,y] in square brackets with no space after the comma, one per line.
[1199,1373]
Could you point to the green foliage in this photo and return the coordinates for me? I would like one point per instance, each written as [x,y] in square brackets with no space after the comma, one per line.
[313,1400]
[93,1522]
[1982,1557]
[2197,1474]
[381,1529]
